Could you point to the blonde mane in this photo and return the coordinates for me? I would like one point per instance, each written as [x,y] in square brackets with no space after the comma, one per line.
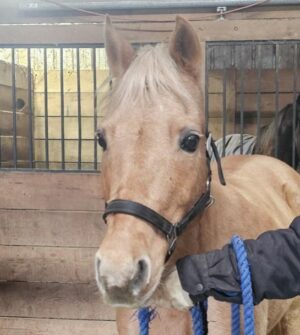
[152,75]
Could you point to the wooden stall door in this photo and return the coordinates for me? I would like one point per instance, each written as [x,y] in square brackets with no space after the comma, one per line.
[50,228]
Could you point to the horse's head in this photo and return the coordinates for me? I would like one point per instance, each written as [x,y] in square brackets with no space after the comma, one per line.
[154,154]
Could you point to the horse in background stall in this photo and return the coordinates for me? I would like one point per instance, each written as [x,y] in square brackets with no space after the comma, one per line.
[154,158]
[288,142]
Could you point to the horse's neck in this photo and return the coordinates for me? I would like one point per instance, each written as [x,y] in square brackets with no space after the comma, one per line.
[230,214]
[203,234]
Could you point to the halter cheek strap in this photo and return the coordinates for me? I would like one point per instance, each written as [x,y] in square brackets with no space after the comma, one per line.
[171,231]
[211,143]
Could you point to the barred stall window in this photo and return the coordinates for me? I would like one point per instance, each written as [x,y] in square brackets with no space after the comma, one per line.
[49,108]
[50,98]
[252,89]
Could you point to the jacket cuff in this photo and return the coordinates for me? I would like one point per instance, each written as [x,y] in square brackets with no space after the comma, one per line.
[193,274]
[211,274]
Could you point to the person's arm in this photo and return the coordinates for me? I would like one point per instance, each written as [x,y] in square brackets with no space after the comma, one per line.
[274,259]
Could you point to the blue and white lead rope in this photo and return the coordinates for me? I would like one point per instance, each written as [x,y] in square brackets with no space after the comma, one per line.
[198,312]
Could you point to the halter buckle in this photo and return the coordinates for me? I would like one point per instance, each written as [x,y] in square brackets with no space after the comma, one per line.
[172,238]
[210,202]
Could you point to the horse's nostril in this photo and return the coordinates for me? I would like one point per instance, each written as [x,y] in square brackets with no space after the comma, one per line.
[142,265]
[141,270]
[140,276]
[97,267]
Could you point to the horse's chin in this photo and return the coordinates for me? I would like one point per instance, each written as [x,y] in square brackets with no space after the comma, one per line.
[119,303]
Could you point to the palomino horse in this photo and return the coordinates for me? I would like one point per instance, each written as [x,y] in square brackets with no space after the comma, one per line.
[154,143]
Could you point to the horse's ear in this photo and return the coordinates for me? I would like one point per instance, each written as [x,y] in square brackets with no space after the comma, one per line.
[185,47]
[119,52]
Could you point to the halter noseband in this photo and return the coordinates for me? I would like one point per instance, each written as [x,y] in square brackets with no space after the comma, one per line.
[171,231]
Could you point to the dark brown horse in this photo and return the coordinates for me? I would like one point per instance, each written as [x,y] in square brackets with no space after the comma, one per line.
[288,141]
[285,147]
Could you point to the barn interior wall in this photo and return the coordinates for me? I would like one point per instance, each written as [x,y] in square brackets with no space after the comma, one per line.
[50,223]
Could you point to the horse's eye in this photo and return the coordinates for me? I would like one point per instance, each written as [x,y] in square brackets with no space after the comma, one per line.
[101,140]
[190,143]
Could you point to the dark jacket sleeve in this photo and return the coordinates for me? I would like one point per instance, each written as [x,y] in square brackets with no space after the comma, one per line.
[274,259]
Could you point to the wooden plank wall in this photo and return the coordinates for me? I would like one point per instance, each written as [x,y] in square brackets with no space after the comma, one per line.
[50,229]
[145,30]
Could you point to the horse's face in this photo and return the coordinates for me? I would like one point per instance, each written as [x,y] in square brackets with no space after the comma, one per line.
[153,137]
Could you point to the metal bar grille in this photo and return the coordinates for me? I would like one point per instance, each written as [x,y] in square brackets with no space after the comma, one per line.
[62,109]
[46,140]
[14,107]
[51,110]
[242,90]
[255,96]
[258,89]
[30,110]
[276,96]
[295,85]
[95,102]
[206,89]
[79,107]
[54,93]
[224,112]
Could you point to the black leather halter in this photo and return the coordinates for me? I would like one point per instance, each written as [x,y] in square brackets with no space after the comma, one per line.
[171,231]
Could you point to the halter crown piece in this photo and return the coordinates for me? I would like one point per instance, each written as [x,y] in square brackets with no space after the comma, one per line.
[171,231]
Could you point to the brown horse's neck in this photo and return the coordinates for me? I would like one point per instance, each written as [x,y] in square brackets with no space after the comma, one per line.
[209,230]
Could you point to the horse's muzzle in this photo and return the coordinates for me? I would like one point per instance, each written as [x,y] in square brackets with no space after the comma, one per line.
[122,284]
